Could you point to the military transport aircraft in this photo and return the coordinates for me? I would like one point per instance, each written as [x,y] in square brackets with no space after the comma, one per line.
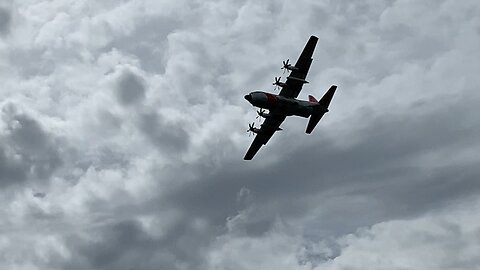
[285,103]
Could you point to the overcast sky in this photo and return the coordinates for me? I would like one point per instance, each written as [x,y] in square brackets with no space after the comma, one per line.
[122,136]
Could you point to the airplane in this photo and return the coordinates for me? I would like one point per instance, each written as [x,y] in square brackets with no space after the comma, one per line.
[286,103]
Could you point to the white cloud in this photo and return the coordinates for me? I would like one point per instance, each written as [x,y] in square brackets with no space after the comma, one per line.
[447,239]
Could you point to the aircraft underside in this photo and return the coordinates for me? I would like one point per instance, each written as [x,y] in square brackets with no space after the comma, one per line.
[279,105]
[285,103]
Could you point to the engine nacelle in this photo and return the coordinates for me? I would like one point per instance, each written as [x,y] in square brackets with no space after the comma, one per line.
[256,130]
[281,84]
[290,67]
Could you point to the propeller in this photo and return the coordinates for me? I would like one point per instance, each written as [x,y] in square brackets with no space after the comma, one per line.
[277,83]
[285,65]
[250,129]
[260,113]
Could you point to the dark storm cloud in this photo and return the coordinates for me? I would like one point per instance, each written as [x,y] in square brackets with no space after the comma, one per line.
[32,153]
[126,245]
[130,88]
[170,137]
[384,165]
[5,19]
[11,170]
[39,195]
[123,245]
[381,167]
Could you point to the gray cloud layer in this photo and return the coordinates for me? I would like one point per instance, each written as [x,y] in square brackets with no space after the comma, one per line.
[29,152]
[5,19]
[130,88]
[122,134]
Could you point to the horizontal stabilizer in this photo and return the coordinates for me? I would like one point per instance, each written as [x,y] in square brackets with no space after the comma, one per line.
[319,111]
[312,99]
[313,121]
[327,98]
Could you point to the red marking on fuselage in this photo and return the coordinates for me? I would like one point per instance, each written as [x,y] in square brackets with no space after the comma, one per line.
[271,99]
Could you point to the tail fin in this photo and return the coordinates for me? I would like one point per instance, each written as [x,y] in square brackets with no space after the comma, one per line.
[312,99]
[319,111]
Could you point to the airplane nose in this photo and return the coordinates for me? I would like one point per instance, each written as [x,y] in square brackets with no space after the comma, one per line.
[248,97]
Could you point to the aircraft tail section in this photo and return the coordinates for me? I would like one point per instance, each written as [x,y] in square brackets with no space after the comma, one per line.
[320,109]
[327,98]
[312,99]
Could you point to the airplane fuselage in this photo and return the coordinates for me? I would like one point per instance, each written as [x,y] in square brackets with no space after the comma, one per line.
[285,103]
[288,106]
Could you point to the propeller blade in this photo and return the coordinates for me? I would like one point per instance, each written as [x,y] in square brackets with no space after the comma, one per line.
[277,82]
[286,65]
[260,113]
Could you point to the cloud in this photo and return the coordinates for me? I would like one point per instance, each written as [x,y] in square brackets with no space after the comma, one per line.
[12,170]
[128,121]
[430,236]
[30,153]
[110,250]
[130,88]
[407,177]
[447,238]
[5,20]
[166,136]
[39,195]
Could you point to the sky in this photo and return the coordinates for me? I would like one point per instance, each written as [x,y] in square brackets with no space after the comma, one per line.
[123,131]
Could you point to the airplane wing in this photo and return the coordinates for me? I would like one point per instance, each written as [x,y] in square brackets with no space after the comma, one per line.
[268,128]
[297,77]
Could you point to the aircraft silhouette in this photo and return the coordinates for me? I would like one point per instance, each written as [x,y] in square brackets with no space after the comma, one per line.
[286,103]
